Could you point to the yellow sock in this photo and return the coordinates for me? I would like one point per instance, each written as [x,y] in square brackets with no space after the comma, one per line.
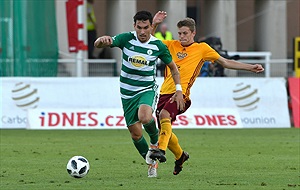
[174,146]
[165,133]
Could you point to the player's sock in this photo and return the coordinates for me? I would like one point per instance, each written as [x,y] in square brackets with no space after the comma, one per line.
[152,131]
[142,146]
[174,146]
[165,133]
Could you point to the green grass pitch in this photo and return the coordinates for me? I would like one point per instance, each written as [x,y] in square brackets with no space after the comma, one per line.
[243,159]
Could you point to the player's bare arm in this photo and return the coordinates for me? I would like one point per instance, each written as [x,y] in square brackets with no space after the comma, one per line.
[178,96]
[103,41]
[232,64]
[158,18]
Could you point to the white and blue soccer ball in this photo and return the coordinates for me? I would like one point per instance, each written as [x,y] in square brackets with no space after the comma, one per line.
[78,166]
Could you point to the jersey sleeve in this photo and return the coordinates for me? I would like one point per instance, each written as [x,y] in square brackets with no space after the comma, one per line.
[209,54]
[165,56]
[120,39]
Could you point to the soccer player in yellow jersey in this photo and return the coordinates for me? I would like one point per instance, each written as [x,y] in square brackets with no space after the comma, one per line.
[189,57]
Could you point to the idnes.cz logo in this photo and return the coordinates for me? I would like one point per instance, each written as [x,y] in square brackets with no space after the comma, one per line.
[79,119]
[113,118]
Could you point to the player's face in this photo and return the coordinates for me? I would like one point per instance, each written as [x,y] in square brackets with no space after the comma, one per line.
[186,36]
[143,30]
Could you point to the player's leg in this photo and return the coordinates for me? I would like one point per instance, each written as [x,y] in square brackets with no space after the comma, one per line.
[165,130]
[132,118]
[175,148]
[145,116]
[134,125]
[152,131]
[138,139]
[164,136]
[166,110]
[142,146]
[147,103]
[167,138]
[180,155]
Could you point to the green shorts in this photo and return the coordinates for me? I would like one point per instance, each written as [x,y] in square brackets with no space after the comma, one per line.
[131,106]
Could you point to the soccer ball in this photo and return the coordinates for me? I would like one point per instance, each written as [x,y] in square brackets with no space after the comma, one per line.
[78,166]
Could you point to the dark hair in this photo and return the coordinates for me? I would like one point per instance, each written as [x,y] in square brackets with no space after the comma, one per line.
[143,15]
[188,22]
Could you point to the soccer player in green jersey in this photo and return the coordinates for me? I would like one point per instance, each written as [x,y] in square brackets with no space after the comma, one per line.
[137,81]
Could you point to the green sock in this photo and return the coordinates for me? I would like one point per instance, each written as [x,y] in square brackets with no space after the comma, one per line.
[152,131]
[142,146]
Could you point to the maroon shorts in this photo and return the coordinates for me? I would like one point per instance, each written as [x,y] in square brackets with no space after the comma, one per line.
[164,103]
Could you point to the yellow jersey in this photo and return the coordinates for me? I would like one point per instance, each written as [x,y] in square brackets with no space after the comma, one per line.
[90,23]
[189,61]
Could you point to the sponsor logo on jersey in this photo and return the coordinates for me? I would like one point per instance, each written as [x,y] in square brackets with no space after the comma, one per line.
[138,61]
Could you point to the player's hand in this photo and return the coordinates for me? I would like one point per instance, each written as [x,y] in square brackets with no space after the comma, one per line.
[103,41]
[257,68]
[159,17]
[178,98]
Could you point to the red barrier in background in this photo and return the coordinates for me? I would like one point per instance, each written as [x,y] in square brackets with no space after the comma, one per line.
[71,7]
[294,90]
[73,26]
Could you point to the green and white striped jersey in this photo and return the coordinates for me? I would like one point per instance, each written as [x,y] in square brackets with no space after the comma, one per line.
[139,63]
